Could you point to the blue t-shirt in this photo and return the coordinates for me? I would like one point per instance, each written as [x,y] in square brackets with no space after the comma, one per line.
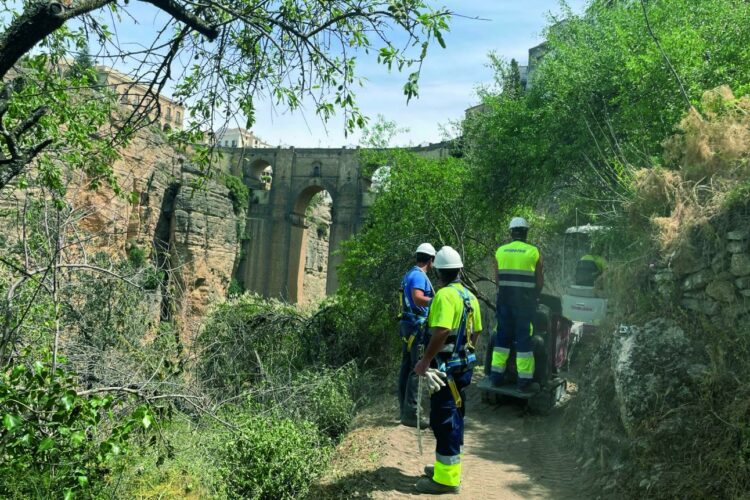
[417,279]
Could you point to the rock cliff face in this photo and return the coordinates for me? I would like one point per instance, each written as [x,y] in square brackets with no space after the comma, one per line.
[316,254]
[204,235]
[193,231]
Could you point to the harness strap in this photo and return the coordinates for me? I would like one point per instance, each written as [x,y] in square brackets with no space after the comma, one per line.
[459,356]
[454,392]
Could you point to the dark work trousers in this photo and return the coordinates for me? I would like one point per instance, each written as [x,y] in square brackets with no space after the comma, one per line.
[514,327]
[447,420]
[408,380]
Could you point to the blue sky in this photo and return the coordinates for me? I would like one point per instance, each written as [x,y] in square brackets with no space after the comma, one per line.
[448,82]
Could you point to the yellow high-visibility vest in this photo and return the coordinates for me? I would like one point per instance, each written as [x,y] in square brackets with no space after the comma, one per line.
[516,264]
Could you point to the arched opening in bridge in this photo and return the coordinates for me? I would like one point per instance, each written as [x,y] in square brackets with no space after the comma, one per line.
[378,180]
[259,175]
[310,244]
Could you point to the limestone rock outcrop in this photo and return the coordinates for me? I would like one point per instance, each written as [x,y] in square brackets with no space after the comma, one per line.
[192,231]
[317,242]
[654,364]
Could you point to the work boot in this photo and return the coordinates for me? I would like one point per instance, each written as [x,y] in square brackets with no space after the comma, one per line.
[429,471]
[427,485]
[412,422]
[530,388]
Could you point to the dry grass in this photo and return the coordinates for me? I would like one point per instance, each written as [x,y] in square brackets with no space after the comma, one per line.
[716,143]
[706,160]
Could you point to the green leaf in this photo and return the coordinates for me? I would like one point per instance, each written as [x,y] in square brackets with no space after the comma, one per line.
[83,481]
[10,422]
[67,401]
[69,495]
[147,420]
[78,438]
[18,370]
[47,444]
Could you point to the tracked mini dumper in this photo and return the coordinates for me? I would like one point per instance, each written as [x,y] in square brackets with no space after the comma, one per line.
[551,342]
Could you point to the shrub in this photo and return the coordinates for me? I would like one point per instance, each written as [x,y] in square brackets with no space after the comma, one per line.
[238,193]
[326,398]
[246,340]
[183,463]
[136,256]
[55,440]
[274,458]
[352,325]
[235,288]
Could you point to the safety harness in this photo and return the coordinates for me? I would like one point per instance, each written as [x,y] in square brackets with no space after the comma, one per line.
[457,354]
[409,312]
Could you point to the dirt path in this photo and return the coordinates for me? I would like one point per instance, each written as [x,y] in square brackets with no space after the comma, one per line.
[508,455]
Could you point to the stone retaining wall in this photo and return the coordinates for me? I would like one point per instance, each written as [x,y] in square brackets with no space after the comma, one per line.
[713,283]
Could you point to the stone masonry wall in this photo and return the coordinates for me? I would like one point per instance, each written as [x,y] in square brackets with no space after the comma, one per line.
[714,283]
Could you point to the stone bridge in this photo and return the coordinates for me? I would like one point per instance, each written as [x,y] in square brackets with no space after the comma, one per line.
[282,182]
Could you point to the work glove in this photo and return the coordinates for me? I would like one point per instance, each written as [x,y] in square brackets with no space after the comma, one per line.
[435,380]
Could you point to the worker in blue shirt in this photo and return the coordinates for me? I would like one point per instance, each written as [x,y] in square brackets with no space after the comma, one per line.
[416,295]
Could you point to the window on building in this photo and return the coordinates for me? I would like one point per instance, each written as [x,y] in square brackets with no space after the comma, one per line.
[234,144]
[169,113]
[178,117]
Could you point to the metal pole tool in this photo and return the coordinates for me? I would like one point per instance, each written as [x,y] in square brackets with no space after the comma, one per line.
[420,388]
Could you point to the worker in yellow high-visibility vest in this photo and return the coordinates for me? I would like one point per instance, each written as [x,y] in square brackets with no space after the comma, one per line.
[455,322]
[589,268]
[520,280]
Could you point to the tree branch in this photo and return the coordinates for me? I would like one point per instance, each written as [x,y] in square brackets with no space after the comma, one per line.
[41,18]
[179,12]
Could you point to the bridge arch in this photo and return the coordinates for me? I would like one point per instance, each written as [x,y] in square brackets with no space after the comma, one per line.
[273,255]
[298,239]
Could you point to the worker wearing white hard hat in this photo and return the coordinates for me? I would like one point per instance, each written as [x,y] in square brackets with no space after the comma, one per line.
[518,223]
[454,324]
[520,280]
[416,295]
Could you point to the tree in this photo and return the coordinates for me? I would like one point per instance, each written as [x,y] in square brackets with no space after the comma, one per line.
[512,88]
[380,134]
[284,50]
[604,99]
[423,200]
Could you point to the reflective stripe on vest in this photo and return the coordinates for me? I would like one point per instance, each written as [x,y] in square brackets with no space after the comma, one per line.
[516,264]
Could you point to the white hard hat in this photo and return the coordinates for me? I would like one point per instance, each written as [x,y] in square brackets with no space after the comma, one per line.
[518,222]
[448,258]
[426,249]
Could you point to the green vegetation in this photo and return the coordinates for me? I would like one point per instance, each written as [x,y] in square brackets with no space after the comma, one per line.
[56,439]
[238,193]
[274,457]
[644,137]
[606,135]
